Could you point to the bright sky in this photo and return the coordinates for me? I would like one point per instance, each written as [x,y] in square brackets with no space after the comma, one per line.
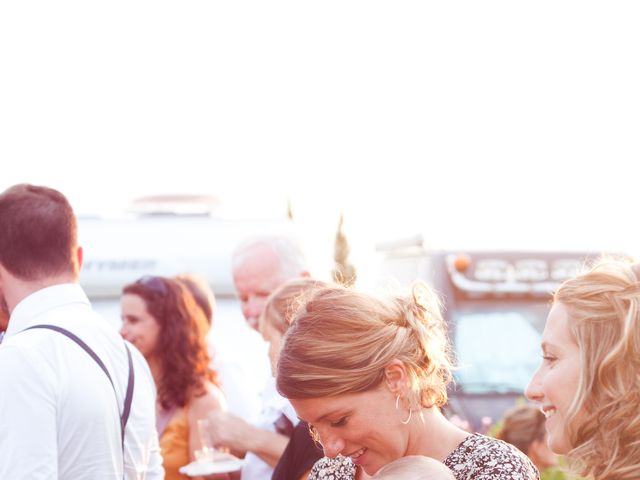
[479,124]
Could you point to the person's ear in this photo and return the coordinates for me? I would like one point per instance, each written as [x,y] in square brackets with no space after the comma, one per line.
[395,377]
[79,257]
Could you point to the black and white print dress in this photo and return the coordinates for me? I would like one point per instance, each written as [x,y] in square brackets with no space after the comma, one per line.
[339,468]
[477,458]
[484,458]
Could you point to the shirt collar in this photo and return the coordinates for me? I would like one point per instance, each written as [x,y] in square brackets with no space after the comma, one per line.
[26,312]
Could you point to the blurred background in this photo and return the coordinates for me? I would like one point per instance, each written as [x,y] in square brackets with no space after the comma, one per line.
[479,124]
[456,126]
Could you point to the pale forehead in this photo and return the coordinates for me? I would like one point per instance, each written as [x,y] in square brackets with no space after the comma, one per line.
[133,304]
[252,252]
[269,332]
[556,331]
[258,265]
[315,410]
[312,409]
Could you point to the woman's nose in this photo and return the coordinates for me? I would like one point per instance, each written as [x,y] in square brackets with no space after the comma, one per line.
[332,445]
[124,332]
[533,391]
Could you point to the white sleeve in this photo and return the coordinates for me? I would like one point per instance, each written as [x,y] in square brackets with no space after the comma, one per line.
[142,449]
[28,435]
[156,470]
[242,398]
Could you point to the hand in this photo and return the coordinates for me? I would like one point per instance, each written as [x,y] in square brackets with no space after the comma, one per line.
[231,431]
[241,437]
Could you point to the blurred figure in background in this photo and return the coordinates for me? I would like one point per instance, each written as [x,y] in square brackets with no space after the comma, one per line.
[369,374]
[202,294]
[59,417]
[233,378]
[524,427]
[161,318]
[588,384]
[414,467]
[260,265]
[301,451]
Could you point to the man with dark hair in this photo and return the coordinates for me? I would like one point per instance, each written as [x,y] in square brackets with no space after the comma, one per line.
[76,401]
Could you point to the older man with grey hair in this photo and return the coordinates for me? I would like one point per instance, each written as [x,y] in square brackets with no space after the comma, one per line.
[260,265]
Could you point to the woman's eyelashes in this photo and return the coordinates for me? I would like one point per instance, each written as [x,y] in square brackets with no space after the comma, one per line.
[339,423]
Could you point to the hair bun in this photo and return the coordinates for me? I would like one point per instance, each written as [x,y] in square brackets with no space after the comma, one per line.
[420,295]
[631,290]
[425,304]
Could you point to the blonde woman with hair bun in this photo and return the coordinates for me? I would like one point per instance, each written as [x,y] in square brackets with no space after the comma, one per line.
[369,375]
[588,385]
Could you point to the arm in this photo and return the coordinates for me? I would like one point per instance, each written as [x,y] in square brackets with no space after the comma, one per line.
[28,422]
[240,436]
[199,408]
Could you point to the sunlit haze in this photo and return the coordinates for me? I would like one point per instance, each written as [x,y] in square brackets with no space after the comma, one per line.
[477,124]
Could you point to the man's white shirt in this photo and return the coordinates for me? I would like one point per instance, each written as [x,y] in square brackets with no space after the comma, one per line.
[59,415]
[234,352]
[274,406]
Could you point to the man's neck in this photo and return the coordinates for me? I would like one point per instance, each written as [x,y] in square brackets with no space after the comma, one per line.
[16,290]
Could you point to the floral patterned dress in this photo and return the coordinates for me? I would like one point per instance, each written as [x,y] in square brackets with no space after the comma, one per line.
[477,458]
[339,468]
[483,458]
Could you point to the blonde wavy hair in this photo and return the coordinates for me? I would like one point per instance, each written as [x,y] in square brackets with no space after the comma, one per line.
[341,340]
[284,301]
[603,424]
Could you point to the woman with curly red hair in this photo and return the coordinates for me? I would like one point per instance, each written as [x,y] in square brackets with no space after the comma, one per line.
[160,317]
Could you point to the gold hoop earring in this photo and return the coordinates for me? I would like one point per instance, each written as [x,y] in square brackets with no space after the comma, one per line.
[315,436]
[404,422]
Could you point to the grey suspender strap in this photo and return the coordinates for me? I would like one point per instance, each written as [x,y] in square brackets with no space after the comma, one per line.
[130,383]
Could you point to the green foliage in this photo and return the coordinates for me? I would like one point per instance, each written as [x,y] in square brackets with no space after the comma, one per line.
[559,472]
[553,474]
[495,428]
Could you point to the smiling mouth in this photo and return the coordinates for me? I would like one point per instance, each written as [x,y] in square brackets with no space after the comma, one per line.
[355,456]
[548,412]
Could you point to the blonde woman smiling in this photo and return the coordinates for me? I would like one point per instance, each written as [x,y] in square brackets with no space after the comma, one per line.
[588,385]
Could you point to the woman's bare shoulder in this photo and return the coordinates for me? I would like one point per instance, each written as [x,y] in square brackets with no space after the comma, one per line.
[212,399]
